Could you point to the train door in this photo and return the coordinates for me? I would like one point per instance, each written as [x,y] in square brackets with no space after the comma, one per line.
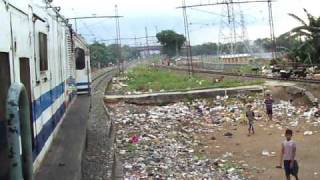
[5,84]
[25,78]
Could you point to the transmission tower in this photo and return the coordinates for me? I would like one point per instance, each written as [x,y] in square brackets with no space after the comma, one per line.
[233,36]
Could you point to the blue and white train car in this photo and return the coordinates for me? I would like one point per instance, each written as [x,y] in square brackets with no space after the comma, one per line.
[39,49]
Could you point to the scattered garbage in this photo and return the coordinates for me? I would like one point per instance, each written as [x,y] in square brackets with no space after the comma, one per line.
[228,134]
[160,142]
[306,133]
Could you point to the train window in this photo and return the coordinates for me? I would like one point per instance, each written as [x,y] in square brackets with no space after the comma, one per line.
[43,51]
[80,59]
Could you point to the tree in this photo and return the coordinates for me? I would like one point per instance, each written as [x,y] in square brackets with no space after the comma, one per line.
[309,34]
[103,55]
[99,54]
[171,42]
[129,52]
[205,49]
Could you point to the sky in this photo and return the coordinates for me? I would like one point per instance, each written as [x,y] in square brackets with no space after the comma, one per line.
[206,24]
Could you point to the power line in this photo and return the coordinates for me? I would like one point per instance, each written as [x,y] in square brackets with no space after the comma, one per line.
[223,3]
[90,17]
[94,17]
[128,38]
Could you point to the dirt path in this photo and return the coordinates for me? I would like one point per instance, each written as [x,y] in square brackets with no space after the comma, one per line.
[248,150]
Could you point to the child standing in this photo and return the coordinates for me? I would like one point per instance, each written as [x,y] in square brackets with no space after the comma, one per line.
[288,153]
[269,102]
[250,116]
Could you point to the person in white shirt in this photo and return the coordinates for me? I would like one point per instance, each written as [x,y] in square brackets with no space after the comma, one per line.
[288,155]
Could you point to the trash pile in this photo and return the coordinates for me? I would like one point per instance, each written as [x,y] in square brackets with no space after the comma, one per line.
[160,142]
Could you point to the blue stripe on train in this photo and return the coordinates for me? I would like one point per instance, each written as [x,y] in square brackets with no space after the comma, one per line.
[39,106]
[46,100]
[47,130]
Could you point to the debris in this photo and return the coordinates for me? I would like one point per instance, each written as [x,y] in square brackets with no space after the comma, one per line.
[228,134]
[265,153]
[306,133]
[158,141]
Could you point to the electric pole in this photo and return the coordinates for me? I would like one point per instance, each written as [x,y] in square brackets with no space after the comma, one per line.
[273,38]
[118,41]
[187,35]
[147,42]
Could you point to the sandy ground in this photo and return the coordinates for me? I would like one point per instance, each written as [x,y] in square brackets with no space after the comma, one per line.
[248,150]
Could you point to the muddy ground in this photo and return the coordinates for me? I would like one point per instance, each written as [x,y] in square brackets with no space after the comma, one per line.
[248,149]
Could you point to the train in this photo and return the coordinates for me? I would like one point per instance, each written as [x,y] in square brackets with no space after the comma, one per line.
[39,49]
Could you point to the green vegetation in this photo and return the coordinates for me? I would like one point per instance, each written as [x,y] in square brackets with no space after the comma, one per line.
[143,78]
[308,49]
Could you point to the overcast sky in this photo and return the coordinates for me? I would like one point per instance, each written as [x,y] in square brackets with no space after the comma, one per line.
[159,15]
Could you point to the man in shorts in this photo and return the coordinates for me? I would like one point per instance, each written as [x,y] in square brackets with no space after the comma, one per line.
[269,102]
[288,154]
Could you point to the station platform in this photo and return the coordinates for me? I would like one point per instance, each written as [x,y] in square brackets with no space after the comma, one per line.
[63,161]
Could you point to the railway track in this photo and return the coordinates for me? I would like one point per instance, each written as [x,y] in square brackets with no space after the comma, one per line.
[96,81]
[314,81]
[99,155]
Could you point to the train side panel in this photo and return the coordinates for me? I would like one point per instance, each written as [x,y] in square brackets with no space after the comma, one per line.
[5,81]
[37,46]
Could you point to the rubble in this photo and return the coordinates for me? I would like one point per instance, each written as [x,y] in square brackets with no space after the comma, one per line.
[160,142]
[308,133]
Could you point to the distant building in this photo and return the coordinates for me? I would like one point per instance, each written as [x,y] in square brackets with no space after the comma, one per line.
[236,59]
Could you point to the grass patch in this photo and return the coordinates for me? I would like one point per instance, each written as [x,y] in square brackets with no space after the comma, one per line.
[143,78]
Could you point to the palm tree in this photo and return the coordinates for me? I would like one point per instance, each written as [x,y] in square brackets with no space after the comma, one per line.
[309,33]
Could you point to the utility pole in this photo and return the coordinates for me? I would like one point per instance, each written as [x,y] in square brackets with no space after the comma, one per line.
[118,41]
[156,28]
[273,38]
[187,35]
[75,25]
[147,42]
